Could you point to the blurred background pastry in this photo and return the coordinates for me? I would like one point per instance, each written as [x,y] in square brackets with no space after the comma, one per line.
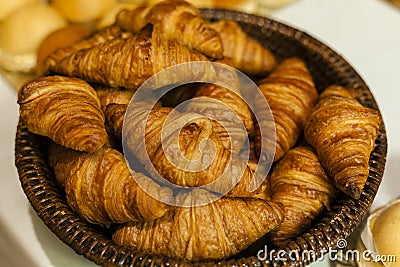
[22,32]
[81,11]
[379,242]
[8,7]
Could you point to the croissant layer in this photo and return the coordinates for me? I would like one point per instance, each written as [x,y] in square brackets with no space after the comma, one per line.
[214,231]
[343,132]
[247,54]
[194,161]
[101,189]
[300,183]
[177,20]
[128,62]
[65,109]
[291,95]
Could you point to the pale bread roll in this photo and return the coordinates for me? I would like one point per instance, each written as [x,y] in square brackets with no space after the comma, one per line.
[81,11]
[385,233]
[7,7]
[21,34]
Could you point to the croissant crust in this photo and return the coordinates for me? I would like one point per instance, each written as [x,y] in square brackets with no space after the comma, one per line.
[291,95]
[214,231]
[101,189]
[300,183]
[65,109]
[343,132]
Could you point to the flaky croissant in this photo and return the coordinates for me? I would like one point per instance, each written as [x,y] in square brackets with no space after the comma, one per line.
[343,133]
[111,95]
[65,109]
[192,161]
[108,33]
[247,54]
[214,231]
[300,183]
[177,20]
[128,62]
[224,105]
[291,95]
[101,188]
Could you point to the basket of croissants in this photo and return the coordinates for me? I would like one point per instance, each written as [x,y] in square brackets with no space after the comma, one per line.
[330,143]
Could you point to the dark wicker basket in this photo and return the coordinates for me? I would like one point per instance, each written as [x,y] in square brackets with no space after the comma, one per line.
[327,68]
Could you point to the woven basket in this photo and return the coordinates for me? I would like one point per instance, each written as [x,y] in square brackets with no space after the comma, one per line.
[326,67]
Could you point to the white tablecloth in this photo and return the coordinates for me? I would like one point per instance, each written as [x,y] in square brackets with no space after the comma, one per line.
[365,32]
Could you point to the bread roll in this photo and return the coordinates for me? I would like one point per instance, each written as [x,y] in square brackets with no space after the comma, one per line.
[21,34]
[7,7]
[385,228]
[80,11]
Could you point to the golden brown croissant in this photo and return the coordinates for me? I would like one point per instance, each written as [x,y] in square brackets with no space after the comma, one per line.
[108,33]
[343,133]
[65,109]
[291,95]
[207,101]
[101,188]
[129,62]
[217,230]
[111,95]
[193,162]
[247,54]
[177,20]
[300,183]
[133,20]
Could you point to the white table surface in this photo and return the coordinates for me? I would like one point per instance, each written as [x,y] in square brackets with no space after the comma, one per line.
[365,32]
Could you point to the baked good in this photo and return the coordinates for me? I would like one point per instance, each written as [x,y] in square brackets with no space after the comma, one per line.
[343,133]
[176,20]
[217,230]
[246,54]
[101,188]
[64,109]
[291,95]
[20,40]
[82,11]
[145,54]
[299,182]
[59,38]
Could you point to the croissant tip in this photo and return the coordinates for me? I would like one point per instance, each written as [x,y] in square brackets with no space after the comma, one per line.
[352,190]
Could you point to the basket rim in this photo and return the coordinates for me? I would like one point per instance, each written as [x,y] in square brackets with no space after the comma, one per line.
[37,180]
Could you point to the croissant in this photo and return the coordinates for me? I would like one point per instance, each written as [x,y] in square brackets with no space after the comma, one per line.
[108,33]
[291,95]
[177,20]
[300,183]
[247,54]
[192,161]
[101,188]
[129,62]
[343,132]
[226,106]
[111,95]
[217,230]
[132,20]
[64,109]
